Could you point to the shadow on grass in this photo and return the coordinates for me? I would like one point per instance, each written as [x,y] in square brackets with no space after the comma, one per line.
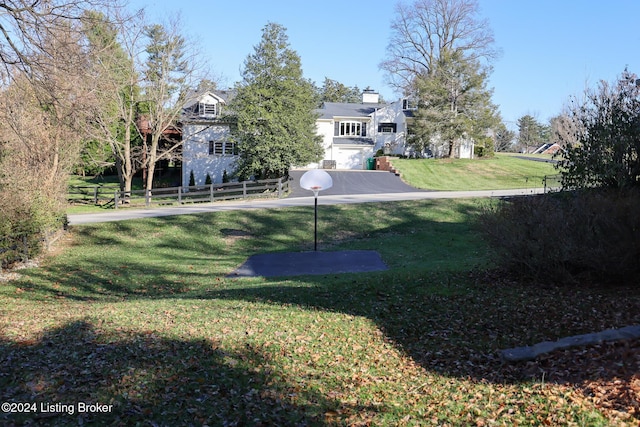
[430,304]
[186,255]
[141,378]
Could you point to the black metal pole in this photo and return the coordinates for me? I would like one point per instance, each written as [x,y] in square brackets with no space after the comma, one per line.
[315,228]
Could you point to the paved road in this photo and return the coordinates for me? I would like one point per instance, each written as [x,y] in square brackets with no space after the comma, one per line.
[124,214]
[537,159]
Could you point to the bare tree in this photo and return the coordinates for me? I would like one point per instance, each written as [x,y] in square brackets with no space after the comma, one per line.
[27,26]
[423,30]
[564,128]
[42,51]
[43,110]
[45,95]
[41,43]
[173,69]
[115,45]
[144,74]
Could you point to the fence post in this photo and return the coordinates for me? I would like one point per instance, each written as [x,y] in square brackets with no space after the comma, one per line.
[211,192]
[115,199]
[95,195]
[147,197]
[279,188]
[180,194]
[244,189]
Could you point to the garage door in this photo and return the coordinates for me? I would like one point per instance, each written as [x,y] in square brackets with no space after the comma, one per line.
[352,158]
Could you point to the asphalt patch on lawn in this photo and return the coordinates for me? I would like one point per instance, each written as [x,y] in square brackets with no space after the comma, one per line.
[303,263]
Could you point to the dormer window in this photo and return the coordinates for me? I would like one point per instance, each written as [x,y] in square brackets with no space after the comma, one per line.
[206,110]
[409,104]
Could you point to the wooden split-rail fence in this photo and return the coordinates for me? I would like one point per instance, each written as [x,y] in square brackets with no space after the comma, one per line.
[182,194]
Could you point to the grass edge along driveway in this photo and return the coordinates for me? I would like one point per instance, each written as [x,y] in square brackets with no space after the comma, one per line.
[499,172]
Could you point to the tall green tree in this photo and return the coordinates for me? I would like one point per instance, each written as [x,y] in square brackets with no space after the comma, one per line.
[334,91]
[531,133]
[112,44]
[274,109]
[453,103]
[504,138]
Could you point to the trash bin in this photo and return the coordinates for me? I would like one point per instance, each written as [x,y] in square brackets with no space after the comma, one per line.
[371,163]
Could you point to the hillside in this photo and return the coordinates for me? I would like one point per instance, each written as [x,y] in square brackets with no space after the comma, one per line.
[500,172]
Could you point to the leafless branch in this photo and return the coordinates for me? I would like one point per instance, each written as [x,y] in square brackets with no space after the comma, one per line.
[423,30]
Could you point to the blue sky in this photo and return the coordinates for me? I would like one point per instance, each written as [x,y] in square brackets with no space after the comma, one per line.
[551,49]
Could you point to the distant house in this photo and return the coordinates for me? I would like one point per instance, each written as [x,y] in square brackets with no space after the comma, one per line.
[351,134]
[547,148]
[207,146]
[347,131]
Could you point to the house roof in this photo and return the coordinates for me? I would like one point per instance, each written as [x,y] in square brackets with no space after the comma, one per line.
[408,113]
[226,95]
[223,96]
[190,111]
[330,110]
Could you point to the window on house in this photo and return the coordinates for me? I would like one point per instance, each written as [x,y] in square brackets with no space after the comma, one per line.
[222,148]
[387,127]
[351,128]
[409,104]
[206,109]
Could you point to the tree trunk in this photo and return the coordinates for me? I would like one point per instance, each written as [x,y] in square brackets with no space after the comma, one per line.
[152,159]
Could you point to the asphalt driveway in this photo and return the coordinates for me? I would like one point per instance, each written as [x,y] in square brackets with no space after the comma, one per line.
[349,182]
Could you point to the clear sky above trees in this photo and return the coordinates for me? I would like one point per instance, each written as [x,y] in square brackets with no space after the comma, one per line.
[551,49]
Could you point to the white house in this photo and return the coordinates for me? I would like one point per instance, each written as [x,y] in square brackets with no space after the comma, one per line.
[207,146]
[351,134]
[347,132]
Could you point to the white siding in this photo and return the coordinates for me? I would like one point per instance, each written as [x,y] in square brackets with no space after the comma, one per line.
[395,142]
[196,155]
[346,157]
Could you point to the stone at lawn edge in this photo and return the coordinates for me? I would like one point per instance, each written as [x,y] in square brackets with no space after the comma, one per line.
[531,352]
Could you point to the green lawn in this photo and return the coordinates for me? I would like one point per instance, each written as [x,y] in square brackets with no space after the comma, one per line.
[502,171]
[141,315]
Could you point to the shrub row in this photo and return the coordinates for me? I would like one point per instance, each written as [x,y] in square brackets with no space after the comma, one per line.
[590,236]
